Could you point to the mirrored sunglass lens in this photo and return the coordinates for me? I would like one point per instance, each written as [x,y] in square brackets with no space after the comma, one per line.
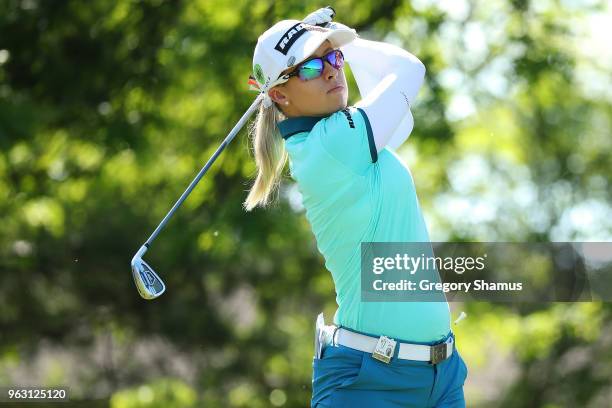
[335,58]
[311,69]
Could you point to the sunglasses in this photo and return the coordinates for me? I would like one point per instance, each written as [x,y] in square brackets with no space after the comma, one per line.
[313,68]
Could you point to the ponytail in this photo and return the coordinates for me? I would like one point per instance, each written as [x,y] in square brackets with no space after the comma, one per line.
[270,156]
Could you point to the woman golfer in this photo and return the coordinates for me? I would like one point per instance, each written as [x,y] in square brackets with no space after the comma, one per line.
[355,189]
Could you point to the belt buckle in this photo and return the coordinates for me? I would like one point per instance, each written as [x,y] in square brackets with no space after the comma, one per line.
[384,349]
[437,353]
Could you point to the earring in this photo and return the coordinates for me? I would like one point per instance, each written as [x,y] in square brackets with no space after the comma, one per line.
[286,102]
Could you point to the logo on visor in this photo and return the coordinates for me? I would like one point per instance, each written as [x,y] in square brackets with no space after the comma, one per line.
[259,75]
[292,35]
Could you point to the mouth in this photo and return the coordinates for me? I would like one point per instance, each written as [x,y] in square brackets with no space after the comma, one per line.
[336,89]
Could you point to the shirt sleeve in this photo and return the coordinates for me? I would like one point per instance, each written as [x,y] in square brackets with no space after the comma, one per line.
[367,76]
[347,137]
[402,132]
[388,88]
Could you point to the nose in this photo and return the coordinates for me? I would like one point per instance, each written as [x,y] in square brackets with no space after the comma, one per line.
[330,71]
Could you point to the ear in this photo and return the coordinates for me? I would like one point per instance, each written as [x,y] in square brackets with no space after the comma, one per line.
[277,96]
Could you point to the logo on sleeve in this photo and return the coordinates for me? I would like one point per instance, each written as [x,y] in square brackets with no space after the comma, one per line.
[406,98]
[348,117]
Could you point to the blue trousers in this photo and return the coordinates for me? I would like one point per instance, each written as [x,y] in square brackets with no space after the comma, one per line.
[345,377]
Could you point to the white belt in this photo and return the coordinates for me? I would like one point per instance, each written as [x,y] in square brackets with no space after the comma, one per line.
[380,347]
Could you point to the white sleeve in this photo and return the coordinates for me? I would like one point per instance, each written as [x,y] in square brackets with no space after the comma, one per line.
[388,78]
[366,82]
[402,132]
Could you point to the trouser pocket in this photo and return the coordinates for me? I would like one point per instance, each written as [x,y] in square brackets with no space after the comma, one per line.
[338,367]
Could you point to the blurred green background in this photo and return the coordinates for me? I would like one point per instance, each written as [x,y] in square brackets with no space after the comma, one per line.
[109,108]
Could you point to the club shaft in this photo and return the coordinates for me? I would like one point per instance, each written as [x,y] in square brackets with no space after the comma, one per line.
[204,169]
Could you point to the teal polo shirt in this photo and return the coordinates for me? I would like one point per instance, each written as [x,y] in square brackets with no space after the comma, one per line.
[353,194]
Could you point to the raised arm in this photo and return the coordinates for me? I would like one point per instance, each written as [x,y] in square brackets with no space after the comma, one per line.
[389,79]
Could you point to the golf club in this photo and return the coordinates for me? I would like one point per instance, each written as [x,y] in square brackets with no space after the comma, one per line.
[148,283]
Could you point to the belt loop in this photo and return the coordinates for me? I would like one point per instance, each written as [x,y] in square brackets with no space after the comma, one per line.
[334,336]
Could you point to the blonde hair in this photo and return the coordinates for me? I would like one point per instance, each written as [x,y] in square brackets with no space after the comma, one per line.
[270,156]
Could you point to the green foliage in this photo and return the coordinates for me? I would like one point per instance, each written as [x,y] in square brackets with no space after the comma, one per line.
[164,393]
[108,109]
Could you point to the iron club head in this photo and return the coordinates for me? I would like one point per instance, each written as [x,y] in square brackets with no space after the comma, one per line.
[148,283]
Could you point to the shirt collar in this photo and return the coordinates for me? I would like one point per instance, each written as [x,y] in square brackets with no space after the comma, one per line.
[297,124]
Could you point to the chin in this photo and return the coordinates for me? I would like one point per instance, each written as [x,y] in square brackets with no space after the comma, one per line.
[335,106]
